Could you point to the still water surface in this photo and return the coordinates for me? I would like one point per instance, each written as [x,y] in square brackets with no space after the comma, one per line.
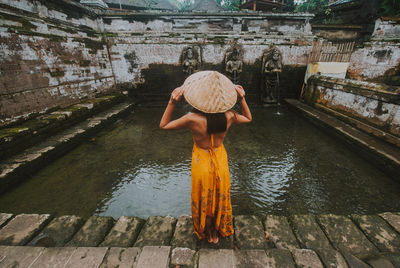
[279,164]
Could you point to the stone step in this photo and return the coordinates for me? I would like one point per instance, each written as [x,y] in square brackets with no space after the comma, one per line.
[120,257]
[157,231]
[249,232]
[220,258]
[59,231]
[373,149]
[18,256]
[345,235]
[22,228]
[92,232]
[124,233]
[154,256]
[13,170]
[393,219]
[378,232]
[184,236]
[280,258]
[4,217]
[308,232]
[280,232]
[182,257]
[306,258]
[161,256]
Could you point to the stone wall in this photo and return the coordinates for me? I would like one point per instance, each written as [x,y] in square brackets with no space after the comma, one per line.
[368,106]
[52,54]
[145,48]
[376,56]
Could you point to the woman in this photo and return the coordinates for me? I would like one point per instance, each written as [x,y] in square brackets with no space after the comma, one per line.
[212,95]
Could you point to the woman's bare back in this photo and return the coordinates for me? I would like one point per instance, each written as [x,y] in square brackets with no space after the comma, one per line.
[200,134]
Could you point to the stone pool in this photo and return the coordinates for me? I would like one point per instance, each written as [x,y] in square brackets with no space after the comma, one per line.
[280,164]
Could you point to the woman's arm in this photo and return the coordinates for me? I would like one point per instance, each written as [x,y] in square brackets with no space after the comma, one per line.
[245,117]
[180,123]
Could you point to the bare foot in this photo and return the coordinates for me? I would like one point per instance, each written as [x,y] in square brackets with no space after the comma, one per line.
[214,237]
[266,235]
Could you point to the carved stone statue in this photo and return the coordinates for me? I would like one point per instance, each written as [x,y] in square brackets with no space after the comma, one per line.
[190,59]
[234,63]
[271,67]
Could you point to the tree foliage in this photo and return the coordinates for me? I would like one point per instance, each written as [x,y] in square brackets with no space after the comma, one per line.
[313,6]
[389,8]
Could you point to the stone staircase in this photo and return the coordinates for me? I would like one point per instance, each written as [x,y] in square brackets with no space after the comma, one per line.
[26,147]
[32,240]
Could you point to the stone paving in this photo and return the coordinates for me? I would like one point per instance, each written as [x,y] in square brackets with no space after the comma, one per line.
[32,240]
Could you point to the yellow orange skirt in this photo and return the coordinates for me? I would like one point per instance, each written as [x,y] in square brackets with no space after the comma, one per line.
[211,190]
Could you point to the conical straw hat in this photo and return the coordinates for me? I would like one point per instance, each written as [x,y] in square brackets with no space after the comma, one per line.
[210,92]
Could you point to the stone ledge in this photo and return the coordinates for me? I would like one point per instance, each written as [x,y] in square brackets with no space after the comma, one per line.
[15,169]
[317,244]
[16,137]
[380,153]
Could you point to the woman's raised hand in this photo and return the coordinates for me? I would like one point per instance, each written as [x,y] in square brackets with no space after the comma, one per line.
[240,92]
[176,95]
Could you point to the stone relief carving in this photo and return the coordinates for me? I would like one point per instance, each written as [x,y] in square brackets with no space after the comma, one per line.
[191,59]
[271,67]
[234,63]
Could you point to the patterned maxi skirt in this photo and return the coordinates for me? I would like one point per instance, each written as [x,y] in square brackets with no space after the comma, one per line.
[211,190]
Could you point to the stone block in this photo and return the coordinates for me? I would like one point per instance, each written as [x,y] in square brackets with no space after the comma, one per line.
[157,231]
[184,236]
[92,232]
[154,256]
[58,232]
[4,217]
[224,243]
[88,257]
[305,258]
[216,258]
[308,232]
[124,232]
[21,229]
[279,258]
[249,232]
[331,258]
[380,262]
[394,258]
[280,232]
[15,256]
[54,257]
[255,258]
[378,232]
[120,257]
[345,235]
[353,261]
[393,219]
[182,257]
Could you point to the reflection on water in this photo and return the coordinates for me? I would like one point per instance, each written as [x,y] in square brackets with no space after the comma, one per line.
[279,164]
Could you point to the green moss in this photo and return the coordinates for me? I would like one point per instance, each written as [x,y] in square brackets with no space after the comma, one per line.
[26,24]
[56,73]
[84,63]
[10,132]
[108,34]
[92,45]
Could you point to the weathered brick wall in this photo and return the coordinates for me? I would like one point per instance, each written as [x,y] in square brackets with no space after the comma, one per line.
[145,48]
[52,54]
[372,105]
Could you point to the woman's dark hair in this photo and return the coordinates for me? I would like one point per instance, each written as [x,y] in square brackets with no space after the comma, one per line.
[216,122]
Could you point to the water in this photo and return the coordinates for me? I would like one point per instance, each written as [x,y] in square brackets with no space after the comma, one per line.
[279,164]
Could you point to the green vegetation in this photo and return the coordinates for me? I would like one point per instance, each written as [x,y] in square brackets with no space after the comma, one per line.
[313,6]
[389,8]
